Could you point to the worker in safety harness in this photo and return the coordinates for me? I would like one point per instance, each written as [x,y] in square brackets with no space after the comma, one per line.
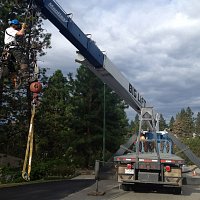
[15,49]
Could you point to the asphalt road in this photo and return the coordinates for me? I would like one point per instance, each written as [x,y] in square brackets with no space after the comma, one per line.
[44,191]
[85,189]
[113,192]
[189,193]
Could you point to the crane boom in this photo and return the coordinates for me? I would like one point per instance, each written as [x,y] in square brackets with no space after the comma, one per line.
[90,55]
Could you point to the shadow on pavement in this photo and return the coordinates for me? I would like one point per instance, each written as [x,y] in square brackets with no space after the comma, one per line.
[45,191]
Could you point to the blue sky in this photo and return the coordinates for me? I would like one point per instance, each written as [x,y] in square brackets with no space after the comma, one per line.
[154,43]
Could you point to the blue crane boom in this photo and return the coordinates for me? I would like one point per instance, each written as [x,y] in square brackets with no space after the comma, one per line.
[93,57]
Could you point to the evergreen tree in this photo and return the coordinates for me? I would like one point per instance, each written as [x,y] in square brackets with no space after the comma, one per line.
[88,100]
[162,123]
[131,126]
[197,124]
[171,122]
[184,123]
[54,118]
[189,121]
[178,127]
[135,124]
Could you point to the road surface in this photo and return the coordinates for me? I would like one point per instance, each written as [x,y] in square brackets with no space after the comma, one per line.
[85,189]
[113,192]
[44,191]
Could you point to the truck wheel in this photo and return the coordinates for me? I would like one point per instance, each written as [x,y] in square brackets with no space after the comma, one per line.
[126,187]
[177,190]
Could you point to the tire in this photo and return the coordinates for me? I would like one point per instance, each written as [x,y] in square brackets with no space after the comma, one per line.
[126,187]
[177,190]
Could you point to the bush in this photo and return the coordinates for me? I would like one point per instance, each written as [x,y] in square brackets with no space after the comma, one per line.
[39,170]
[52,168]
[10,175]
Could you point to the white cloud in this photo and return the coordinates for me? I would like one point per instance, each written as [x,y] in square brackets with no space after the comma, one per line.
[155,44]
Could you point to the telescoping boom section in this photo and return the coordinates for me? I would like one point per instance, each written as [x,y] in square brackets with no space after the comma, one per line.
[90,55]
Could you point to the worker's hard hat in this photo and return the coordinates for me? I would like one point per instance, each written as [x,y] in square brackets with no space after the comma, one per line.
[15,22]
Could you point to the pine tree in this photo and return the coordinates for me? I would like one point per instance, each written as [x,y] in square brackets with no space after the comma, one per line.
[88,99]
[189,121]
[178,126]
[184,123]
[197,124]
[54,118]
[135,124]
[171,122]
[162,123]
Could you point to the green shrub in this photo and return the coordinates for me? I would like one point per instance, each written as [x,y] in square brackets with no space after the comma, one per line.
[10,175]
[39,170]
[52,168]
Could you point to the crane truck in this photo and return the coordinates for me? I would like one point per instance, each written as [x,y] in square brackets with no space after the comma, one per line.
[153,162]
